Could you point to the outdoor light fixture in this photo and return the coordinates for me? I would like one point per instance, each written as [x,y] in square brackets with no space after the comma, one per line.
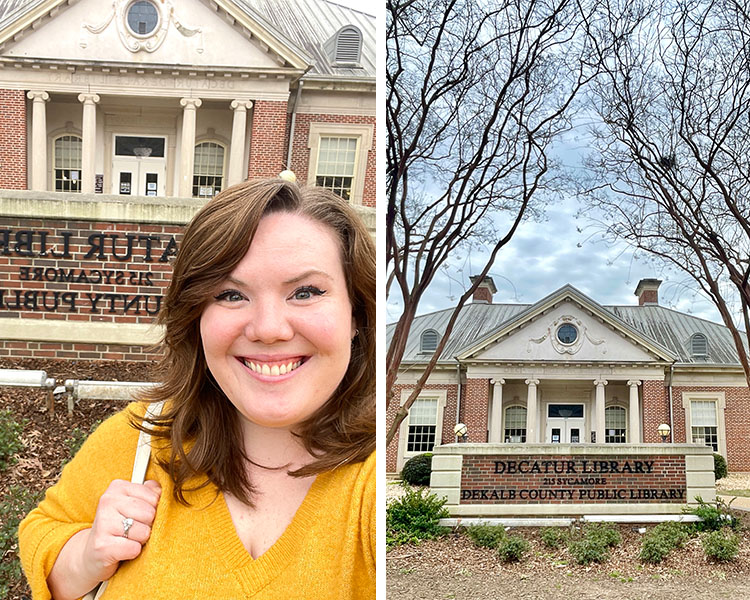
[664,430]
[461,432]
[288,175]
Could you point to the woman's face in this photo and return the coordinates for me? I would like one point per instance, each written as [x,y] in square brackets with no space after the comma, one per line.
[277,332]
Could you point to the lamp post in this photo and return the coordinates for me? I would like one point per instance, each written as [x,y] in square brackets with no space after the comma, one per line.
[461,432]
[664,430]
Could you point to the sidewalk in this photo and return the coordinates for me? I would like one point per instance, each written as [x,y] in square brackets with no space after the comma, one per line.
[739,502]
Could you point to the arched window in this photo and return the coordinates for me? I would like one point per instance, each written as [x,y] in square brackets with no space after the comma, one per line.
[345,47]
[429,341]
[699,345]
[515,425]
[615,425]
[67,149]
[208,169]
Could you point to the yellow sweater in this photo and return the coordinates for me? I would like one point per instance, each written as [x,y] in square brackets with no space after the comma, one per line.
[327,552]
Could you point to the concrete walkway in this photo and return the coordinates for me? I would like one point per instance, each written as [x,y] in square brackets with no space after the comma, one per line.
[739,502]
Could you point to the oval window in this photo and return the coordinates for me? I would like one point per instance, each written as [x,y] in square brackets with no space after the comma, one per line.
[143,17]
[567,334]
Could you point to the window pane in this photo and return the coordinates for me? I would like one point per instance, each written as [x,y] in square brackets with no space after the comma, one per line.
[614,425]
[515,424]
[422,425]
[68,149]
[703,413]
[565,410]
[706,436]
[421,438]
[144,147]
[336,156]
[208,169]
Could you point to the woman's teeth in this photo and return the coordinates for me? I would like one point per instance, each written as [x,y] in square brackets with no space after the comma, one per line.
[273,370]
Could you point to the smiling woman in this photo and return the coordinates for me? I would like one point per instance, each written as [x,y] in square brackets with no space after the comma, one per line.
[263,478]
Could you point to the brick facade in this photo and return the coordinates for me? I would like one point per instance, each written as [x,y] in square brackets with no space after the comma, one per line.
[301,151]
[736,422]
[475,408]
[13,140]
[75,351]
[655,410]
[267,142]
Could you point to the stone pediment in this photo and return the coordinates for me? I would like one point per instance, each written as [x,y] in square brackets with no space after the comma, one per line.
[566,327]
[187,33]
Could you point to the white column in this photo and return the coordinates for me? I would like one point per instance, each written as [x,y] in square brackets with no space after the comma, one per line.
[88,161]
[38,140]
[237,172]
[531,410]
[496,414]
[600,426]
[634,417]
[187,149]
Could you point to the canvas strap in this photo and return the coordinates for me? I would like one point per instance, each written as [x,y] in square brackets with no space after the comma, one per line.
[140,464]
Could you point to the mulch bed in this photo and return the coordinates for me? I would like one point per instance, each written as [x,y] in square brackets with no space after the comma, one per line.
[45,436]
[452,567]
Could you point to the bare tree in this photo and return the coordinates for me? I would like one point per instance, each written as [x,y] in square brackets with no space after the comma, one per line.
[671,168]
[476,94]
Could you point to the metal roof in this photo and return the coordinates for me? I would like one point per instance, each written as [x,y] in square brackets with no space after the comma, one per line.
[310,23]
[307,24]
[666,327]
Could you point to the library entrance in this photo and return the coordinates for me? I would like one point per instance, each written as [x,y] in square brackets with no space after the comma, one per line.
[565,424]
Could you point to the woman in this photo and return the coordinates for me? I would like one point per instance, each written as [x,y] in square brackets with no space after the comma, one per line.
[262,477]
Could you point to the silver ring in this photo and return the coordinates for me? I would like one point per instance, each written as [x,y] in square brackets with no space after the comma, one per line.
[126,525]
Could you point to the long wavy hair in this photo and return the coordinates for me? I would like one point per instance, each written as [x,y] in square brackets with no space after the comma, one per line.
[200,424]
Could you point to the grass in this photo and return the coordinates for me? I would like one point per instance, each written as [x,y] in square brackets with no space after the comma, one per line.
[744,493]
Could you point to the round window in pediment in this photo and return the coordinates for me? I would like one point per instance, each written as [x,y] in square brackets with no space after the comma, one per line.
[142,18]
[567,334]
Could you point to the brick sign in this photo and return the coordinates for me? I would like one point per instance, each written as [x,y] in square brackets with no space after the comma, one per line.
[560,479]
[104,271]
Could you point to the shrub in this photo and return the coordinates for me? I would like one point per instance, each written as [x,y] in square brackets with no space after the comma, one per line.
[14,506]
[654,549]
[414,517]
[10,443]
[553,537]
[486,536]
[673,532]
[713,516]
[721,545]
[720,466]
[512,548]
[417,469]
[588,550]
[605,534]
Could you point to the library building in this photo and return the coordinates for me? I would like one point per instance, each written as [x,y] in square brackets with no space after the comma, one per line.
[120,119]
[569,401]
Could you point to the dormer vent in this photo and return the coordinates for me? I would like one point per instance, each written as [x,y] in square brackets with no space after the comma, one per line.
[345,47]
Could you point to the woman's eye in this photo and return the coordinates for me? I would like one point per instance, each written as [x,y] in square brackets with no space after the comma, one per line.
[307,292]
[230,296]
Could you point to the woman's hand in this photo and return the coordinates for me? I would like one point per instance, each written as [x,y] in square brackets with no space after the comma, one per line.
[93,555]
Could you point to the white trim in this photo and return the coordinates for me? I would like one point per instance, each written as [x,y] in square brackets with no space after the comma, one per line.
[721,404]
[403,434]
[362,133]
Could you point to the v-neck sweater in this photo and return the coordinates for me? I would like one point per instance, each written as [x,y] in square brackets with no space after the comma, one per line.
[326,552]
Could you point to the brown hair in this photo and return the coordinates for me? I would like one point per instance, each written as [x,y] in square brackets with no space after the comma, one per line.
[200,423]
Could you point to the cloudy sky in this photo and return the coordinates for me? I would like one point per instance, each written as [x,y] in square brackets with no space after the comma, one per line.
[561,248]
